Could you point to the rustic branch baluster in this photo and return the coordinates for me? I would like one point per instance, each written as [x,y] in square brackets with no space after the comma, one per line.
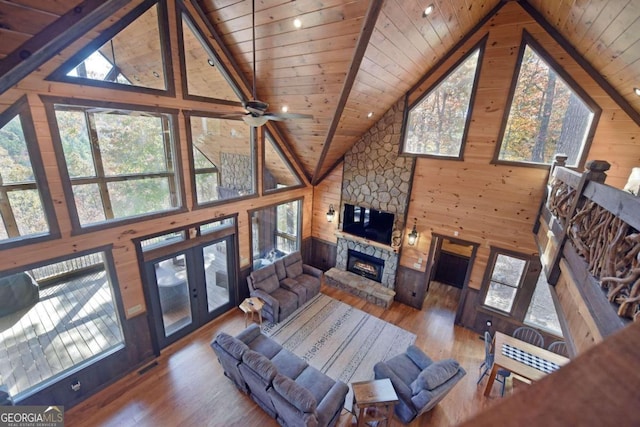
[611,248]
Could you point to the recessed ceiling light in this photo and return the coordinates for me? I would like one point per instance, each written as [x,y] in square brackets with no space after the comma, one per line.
[284,108]
[297,23]
[636,90]
[427,10]
[155,74]
[370,114]
[211,62]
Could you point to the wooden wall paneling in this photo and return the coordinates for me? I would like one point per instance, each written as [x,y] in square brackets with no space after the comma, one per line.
[323,254]
[327,192]
[243,286]
[581,327]
[411,287]
[24,20]
[591,295]
[488,203]
[306,249]
[468,313]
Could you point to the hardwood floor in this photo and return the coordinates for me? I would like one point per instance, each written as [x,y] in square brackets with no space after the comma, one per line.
[188,388]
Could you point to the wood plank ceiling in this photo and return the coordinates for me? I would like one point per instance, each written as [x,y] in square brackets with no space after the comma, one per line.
[355,57]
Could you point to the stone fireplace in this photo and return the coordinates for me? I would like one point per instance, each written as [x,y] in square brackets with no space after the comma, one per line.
[387,258]
[365,265]
[375,176]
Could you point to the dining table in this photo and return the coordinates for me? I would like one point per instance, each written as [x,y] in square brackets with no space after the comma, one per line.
[523,359]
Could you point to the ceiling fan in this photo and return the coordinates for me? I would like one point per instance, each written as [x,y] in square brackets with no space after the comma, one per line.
[257,114]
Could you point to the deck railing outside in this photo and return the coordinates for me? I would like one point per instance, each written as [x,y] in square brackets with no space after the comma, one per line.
[62,268]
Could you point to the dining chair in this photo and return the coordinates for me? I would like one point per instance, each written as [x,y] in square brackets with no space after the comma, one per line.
[559,347]
[530,335]
[487,364]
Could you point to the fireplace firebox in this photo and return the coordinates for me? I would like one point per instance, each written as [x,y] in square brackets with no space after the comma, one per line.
[365,265]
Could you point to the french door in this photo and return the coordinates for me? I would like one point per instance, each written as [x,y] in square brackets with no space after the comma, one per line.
[188,287]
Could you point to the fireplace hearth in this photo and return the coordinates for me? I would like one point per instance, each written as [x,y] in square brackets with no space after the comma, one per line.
[365,265]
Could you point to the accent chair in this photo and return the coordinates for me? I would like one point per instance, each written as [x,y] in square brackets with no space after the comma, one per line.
[419,382]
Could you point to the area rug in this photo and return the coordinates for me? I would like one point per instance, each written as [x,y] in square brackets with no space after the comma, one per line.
[339,340]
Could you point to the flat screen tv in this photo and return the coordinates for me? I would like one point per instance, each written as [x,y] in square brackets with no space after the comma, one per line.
[368,223]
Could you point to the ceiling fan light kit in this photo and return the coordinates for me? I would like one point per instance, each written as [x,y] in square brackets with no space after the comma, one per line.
[255,121]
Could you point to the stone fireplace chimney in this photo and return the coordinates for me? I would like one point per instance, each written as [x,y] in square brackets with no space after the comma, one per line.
[376,177]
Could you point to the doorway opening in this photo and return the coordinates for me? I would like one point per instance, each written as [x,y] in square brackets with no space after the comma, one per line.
[450,263]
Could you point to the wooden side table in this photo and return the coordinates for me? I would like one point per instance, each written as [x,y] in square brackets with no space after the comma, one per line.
[250,306]
[373,401]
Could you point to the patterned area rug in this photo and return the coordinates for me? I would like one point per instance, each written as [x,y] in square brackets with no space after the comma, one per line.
[339,340]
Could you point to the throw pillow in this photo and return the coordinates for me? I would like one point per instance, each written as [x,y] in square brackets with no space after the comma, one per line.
[294,393]
[435,375]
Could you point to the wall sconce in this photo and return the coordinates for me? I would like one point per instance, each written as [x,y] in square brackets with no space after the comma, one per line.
[331,213]
[413,236]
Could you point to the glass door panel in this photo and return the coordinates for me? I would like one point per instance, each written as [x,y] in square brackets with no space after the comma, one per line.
[216,275]
[172,282]
[189,287]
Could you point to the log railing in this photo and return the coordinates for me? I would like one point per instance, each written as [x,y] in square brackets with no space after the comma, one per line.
[593,227]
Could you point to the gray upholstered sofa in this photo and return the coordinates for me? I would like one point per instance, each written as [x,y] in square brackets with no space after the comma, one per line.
[419,382]
[284,286]
[284,385]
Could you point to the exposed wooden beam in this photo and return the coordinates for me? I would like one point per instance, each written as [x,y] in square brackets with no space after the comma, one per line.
[363,42]
[329,170]
[55,37]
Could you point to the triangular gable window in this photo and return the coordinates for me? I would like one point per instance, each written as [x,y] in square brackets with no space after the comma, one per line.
[204,74]
[277,172]
[437,122]
[548,114]
[134,53]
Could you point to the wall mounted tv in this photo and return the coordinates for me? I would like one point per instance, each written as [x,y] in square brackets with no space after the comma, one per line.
[368,223]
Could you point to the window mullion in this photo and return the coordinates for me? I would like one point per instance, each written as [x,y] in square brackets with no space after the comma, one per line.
[527,288]
[99,167]
[8,218]
[173,190]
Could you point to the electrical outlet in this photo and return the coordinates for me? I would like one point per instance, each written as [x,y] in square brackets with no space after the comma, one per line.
[420,260]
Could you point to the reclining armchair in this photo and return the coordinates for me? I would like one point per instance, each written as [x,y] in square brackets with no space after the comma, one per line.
[419,382]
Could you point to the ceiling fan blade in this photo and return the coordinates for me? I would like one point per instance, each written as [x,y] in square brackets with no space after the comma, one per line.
[287,116]
[233,116]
